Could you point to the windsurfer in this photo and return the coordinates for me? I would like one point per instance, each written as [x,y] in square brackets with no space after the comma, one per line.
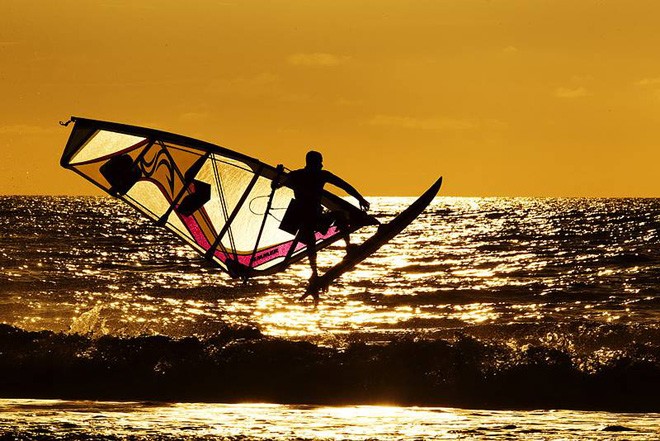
[307,184]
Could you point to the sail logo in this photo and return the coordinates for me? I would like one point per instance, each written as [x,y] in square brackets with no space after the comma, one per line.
[162,159]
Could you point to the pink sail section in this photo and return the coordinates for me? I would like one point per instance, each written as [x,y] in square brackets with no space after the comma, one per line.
[275,252]
[263,256]
[197,234]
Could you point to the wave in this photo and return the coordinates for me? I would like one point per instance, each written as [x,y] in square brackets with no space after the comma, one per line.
[238,364]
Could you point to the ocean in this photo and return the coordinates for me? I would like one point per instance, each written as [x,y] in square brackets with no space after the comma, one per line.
[536,318]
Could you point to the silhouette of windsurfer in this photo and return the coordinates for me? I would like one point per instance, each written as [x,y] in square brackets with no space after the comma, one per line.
[307,184]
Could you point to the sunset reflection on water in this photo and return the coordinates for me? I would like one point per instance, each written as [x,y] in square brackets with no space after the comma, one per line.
[257,421]
[463,262]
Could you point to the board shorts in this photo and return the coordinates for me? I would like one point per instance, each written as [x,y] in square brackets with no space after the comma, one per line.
[304,221]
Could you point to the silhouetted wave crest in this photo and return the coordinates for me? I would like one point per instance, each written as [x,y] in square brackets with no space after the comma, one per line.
[240,364]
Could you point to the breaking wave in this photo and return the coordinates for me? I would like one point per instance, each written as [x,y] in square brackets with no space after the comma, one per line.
[502,368]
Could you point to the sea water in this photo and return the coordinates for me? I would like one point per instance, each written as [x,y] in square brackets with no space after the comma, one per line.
[497,303]
[53,419]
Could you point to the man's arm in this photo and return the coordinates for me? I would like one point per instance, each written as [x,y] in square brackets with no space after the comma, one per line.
[348,188]
[282,178]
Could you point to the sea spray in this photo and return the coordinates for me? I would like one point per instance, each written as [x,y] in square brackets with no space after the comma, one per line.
[89,323]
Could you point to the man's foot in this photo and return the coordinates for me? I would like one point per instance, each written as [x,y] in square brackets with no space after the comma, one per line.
[314,288]
[314,294]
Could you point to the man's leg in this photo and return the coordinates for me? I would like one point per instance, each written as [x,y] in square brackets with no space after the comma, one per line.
[311,252]
[341,221]
[308,238]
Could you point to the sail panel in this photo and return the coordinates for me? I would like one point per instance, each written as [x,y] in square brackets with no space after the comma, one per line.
[104,143]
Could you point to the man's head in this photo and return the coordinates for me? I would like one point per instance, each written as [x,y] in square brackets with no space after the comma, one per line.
[314,160]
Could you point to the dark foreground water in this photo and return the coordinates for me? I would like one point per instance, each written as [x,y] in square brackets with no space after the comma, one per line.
[498,303]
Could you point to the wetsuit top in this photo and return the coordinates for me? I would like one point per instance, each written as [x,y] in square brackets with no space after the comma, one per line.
[308,188]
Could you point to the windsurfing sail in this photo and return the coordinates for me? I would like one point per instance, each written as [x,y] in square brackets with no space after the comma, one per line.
[226,205]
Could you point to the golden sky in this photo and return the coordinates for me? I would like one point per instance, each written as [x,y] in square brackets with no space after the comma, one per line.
[501,97]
